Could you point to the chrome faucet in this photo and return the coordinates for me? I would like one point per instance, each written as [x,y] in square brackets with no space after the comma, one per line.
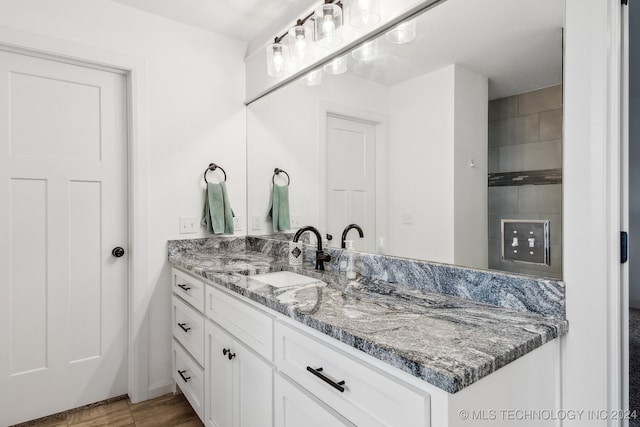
[321,257]
[346,230]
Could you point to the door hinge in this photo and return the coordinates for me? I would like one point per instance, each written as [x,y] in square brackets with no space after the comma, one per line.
[624,247]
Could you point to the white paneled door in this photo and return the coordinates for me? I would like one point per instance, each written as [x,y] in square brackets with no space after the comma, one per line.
[63,209]
[351,180]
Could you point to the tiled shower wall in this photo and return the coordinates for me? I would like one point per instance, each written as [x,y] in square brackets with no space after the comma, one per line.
[525,134]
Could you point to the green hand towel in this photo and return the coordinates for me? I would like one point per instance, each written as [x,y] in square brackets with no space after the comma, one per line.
[217,214]
[279,211]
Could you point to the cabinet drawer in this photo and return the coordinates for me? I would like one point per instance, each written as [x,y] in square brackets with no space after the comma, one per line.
[246,323]
[189,376]
[294,407]
[188,328]
[368,397]
[189,288]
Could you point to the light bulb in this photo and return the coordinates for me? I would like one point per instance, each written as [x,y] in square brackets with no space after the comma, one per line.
[299,44]
[313,78]
[367,51]
[328,26]
[402,33]
[278,62]
[337,66]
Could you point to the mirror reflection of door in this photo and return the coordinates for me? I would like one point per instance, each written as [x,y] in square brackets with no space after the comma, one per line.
[351,180]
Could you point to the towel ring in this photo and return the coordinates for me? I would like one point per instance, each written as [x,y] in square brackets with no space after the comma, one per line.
[212,167]
[277,171]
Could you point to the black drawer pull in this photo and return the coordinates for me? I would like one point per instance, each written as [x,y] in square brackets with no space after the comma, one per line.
[185,379]
[184,327]
[184,287]
[336,385]
[227,352]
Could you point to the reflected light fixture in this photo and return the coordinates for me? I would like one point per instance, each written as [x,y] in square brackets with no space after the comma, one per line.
[313,78]
[367,51]
[299,45]
[402,33]
[328,20]
[337,66]
[364,13]
[277,58]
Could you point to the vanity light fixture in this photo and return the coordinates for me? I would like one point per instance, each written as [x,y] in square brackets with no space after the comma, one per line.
[277,58]
[328,20]
[337,66]
[367,51]
[402,33]
[313,78]
[364,13]
[299,43]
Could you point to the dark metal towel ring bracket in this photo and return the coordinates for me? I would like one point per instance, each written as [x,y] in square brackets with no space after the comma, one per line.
[278,171]
[212,167]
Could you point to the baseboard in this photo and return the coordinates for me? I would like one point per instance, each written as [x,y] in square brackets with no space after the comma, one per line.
[634,303]
[160,389]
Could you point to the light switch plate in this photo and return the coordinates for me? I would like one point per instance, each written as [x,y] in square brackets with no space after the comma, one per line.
[256,222]
[189,224]
[526,241]
[237,223]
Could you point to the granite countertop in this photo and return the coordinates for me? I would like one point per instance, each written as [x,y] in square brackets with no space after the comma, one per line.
[447,341]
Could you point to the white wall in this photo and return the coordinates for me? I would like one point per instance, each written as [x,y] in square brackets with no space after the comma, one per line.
[283,130]
[471,134]
[438,122]
[195,85]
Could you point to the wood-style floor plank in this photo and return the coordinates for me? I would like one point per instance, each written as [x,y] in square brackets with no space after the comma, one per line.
[166,411]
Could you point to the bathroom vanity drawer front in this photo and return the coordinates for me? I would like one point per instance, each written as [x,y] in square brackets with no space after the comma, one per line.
[188,328]
[189,376]
[248,324]
[360,393]
[189,288]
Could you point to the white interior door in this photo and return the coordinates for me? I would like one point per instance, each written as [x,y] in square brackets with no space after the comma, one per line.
[351,180]
[63,193]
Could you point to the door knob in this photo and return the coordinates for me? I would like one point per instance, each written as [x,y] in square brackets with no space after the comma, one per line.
[117,252]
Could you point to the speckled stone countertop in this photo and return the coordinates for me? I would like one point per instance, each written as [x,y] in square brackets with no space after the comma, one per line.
[447,341]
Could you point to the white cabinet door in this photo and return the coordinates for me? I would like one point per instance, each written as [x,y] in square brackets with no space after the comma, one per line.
[239,384]
[219,377]
[63,192]
[295,408]
[254,397]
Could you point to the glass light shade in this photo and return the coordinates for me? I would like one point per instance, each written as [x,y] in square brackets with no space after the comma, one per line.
[364,13]
[277,59]
[313,78]
[328,20]
[337,66]
[299,38]
[367,51]
[402,33]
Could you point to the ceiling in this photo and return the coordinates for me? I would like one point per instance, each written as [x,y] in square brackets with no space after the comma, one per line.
[517,44]
[238,19]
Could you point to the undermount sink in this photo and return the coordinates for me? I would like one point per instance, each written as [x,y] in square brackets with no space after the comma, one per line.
[283,279]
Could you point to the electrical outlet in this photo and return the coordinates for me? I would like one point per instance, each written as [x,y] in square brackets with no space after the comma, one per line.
[296,221]
[407,218]
[189,224]
[237,223]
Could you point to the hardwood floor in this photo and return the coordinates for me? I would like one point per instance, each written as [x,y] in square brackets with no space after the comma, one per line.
[165,411]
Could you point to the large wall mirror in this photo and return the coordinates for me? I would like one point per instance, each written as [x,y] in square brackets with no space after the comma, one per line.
[427,138]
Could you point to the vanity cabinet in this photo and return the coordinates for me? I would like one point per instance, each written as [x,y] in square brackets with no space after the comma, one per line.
[239,383]
[263,369]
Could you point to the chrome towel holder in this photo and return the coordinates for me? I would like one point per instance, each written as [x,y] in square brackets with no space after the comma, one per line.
[212,167]
[278,171]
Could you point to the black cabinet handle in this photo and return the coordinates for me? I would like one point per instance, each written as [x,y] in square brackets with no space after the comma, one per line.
[183,326]
[227,352]
[185,379]
[317,372]
[184,287]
